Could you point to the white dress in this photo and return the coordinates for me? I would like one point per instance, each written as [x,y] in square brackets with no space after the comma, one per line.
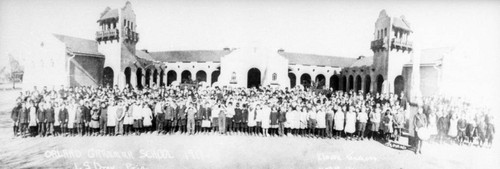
[303,120]
[350,122]
[111,116]
[289,119]
[71,116]
[321,119]
[251,118]
[266,121]
[56,117]
[452,132]
[147,114]
[339,120]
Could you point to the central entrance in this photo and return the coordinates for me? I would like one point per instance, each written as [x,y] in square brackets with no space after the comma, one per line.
[253,79]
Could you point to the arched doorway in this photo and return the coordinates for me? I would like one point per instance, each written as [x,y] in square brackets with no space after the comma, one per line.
[293,79]
[253,78]
[344,83]
[162,75]
[399,85]
[320,81]
[305,80]
[148,77]
[127,76]
[138,74]
[358,83]
[185,76]
[201,76]
[368,83]
[171,77]
[215,76]
[107,77]
[380,82]
[155,77]
[351,82]
[334,82]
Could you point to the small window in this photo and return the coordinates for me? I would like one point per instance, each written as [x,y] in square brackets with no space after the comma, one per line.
[275,76]
[233,76]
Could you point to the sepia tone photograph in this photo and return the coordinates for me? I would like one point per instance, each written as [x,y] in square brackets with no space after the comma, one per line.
[327,84]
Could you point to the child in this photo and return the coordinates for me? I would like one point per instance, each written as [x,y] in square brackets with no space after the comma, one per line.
[339,122]
[350,122]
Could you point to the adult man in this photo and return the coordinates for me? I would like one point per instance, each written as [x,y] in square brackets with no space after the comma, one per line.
[420,122]
[24,118]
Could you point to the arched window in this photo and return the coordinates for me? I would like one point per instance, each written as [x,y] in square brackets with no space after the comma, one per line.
[275,76]
[233,78]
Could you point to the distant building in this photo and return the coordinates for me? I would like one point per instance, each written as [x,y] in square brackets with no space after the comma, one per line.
[112,59]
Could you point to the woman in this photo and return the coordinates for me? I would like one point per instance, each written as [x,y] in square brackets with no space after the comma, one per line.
[222,119]
[350,123]
[339,122]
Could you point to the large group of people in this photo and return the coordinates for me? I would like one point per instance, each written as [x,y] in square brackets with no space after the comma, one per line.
[264,111]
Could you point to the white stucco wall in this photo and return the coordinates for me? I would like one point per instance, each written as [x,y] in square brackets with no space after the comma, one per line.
[48,66]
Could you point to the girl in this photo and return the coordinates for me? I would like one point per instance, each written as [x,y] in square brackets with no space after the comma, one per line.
[274,120]
[362,119]
[94,123]
[266,120]
[321,119]
[251,119]
[387,125]
[147,115]
[128,120]
[71,117]
[303,121]
[311,123]
[339,122]
[350,122]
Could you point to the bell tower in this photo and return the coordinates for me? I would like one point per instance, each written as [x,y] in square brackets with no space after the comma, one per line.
[117,37]
[392,47]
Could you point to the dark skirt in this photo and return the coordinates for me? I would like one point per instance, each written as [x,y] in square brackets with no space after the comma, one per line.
[138,123]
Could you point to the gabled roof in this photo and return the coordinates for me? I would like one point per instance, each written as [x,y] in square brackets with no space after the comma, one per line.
[433,56]
[189,56]
[317,60]
[79,45]
[402,23]
[364,61]
[108,13]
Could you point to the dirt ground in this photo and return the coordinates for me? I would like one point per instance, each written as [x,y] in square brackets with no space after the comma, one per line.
[215,151]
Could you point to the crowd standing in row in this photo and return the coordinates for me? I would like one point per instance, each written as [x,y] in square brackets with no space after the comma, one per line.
[106,111]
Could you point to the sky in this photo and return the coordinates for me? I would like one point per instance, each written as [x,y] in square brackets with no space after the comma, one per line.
[337,28]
